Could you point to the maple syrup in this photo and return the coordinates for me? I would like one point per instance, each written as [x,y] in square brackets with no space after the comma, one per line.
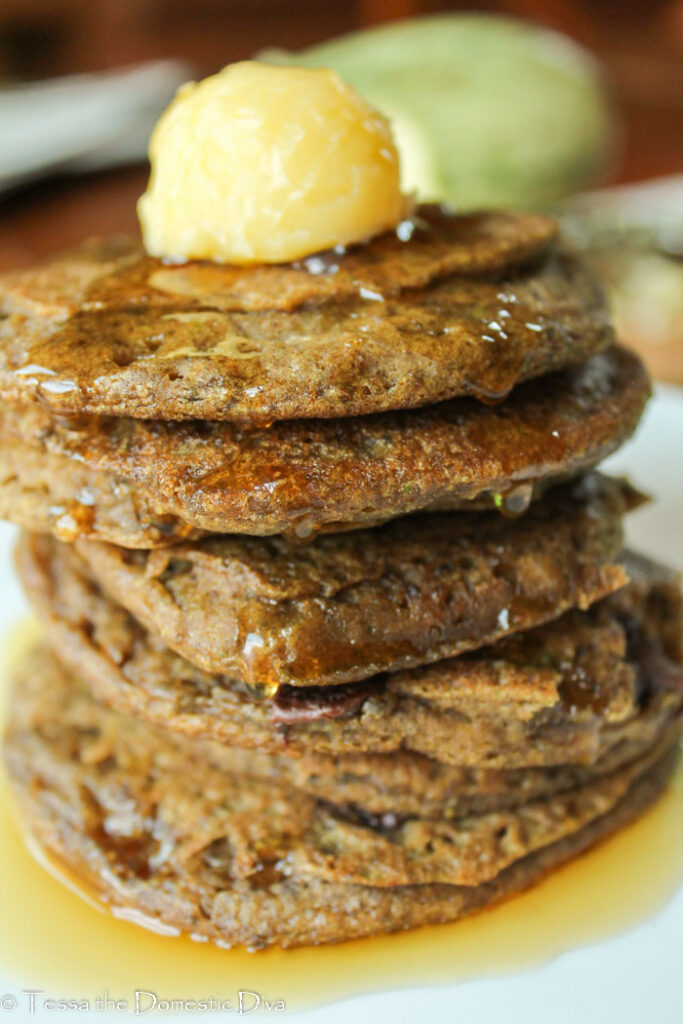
[57,937]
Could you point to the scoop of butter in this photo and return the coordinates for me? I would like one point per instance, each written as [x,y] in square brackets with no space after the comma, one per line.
[263,164]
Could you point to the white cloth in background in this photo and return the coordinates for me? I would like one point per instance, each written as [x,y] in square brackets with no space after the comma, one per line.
[82,122]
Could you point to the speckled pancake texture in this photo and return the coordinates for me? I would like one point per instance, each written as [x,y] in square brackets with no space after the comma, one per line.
[565,693]
[347,606]
[457,305]
[146,483]
[340,635]
[239,860]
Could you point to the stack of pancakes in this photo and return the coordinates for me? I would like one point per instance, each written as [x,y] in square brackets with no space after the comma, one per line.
[340,635]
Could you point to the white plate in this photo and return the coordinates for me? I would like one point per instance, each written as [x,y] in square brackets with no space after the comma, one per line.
[632,978]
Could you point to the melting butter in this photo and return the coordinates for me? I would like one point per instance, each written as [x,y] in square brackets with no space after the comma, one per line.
[266,164]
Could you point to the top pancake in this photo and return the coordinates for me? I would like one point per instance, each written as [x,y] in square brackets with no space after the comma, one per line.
[457,305]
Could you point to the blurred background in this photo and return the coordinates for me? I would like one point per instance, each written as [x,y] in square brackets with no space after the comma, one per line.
[606,156]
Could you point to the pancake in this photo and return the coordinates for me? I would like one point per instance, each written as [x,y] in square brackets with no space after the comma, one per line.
[382,789]
[46,492]
[348,606]
[564,693]
[237,860]
[301,477]
[466,305]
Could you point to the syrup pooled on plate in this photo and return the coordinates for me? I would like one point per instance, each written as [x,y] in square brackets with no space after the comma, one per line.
[58,937]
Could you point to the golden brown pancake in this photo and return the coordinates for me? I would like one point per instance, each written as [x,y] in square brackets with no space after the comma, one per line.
[465,305]
[564,693]
[350,605]
[147,483]
[238,860]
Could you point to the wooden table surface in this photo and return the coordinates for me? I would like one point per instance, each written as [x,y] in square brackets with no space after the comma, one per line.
[53,215]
